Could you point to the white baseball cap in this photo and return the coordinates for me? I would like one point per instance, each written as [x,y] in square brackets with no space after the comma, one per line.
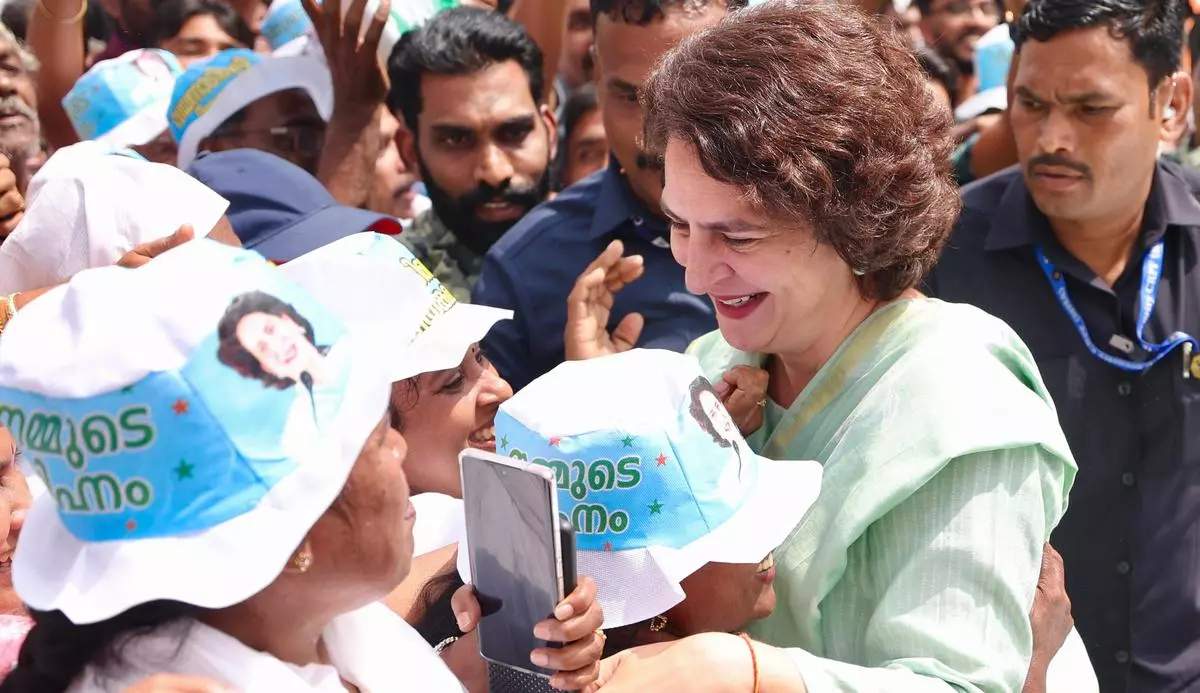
[443,335]
[170,441]
[123,101]
[212,91]
[89,205]
[653,474]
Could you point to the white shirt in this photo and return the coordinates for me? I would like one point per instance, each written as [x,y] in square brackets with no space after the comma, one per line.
[372,648]
[440,522]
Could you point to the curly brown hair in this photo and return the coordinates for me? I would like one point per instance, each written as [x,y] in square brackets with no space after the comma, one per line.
[815,112]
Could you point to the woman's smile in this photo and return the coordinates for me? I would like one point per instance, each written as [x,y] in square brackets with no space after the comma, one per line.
[484,437]
[738,306]
[766,569]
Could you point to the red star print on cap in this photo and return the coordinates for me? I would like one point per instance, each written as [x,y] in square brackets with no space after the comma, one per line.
[608,546]
[130,526]
[661,459]
[555,441]
[180,407]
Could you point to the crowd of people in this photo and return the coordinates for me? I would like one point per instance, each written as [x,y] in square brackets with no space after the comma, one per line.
[888,305]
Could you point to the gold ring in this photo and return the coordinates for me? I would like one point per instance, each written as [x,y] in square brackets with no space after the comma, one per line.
[600,633]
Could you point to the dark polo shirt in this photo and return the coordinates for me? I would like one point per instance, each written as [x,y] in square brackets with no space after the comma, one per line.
[532,269]
[1131,536]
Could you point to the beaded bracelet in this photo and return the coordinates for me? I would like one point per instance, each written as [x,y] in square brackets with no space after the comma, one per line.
[753,658]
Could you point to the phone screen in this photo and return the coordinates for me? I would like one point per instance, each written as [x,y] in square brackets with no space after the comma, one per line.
[512,525]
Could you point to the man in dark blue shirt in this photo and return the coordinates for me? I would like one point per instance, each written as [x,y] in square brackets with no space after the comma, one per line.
[1088,250]
[535,266]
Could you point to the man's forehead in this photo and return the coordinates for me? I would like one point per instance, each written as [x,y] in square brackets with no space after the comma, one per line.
[1083,60]
[498,91]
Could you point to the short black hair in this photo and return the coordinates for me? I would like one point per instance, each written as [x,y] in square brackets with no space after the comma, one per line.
[1153,28]
[581,102]
[939,70]
[171,15]
[458,41]
[642,12]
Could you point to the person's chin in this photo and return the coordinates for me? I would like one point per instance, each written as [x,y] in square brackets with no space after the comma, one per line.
[745,335]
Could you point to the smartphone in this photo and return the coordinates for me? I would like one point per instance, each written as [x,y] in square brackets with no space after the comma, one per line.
[515,549]
[505,679]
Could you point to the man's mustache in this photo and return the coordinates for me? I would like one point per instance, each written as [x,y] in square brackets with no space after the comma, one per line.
[524,196]
[13,105]
[1060,162]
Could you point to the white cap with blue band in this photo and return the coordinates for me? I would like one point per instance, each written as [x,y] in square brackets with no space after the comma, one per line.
[201,411]
[653,474]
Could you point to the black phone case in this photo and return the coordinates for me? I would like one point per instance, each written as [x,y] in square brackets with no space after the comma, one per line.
[566,533]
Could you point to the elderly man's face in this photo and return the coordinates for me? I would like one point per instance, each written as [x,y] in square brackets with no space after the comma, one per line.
[19,132]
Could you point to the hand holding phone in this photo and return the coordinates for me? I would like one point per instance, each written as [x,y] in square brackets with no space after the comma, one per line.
[576,660]
[520,548]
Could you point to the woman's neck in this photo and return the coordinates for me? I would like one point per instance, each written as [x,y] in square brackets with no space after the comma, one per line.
[289,632]
[790,373]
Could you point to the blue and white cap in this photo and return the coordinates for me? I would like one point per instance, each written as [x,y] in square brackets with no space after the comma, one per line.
[123,101]
[286,27]
[653,474]
[447,328]
[210,420]
[289,31]
[993,58]
[213,90]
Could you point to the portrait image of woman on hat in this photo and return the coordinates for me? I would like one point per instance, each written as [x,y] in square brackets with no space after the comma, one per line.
[193,527]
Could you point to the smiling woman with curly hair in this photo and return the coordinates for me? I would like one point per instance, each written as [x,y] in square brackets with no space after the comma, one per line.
[807,181]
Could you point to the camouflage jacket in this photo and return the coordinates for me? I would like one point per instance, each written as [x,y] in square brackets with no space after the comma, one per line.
[451,262]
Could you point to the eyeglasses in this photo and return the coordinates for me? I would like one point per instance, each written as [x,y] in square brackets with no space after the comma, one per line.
[962,8]
[288,139]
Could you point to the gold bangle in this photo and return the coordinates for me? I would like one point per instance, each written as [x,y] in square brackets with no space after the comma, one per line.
[72,20]
[10,302]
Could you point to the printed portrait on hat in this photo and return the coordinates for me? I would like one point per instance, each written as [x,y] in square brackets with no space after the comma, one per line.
[264,338]
[708,411]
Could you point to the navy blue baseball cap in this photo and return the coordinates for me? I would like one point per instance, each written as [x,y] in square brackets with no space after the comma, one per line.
[277,208]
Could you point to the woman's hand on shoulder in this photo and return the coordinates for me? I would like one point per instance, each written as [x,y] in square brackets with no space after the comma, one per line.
[576,624]
[743,391]
[170,683]
[705,663]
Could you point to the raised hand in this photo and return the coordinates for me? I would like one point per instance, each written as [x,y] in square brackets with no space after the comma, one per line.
[590,305]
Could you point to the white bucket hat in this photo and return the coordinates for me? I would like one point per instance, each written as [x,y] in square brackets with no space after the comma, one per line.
[172,442]
[653,474]
[442,337]
[89,205]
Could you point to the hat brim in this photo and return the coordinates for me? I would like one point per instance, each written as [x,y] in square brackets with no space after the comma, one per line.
[445,342]
[267,77]
[318,229]
[93,581]
[639,584]
[142,127]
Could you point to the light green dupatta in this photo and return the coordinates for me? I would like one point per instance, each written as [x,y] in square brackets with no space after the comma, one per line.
[945,470]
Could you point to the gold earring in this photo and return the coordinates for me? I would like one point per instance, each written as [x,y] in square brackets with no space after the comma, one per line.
[658,624]
[303,559]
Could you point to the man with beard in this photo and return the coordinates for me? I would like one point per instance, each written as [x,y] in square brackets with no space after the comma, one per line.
[574,244]
[469,87]
[952,27]
[20,138]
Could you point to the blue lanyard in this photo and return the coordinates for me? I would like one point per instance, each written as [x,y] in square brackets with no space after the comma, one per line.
[1147,295]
